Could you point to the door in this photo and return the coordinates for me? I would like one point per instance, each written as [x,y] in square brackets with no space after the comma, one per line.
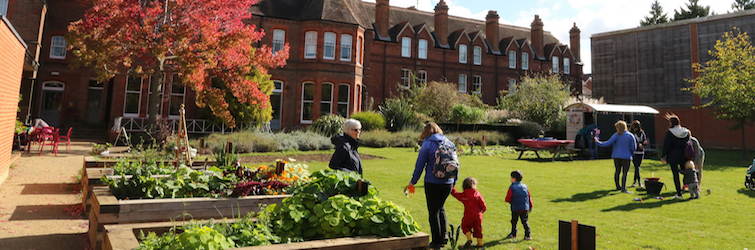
[94,103]
[52,103]
[276,101]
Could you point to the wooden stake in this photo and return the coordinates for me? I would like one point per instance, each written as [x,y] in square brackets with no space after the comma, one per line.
[574,227]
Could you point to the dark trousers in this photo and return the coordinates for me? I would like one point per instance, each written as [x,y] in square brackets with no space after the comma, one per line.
[622,166]
[525,217]
[675,171]
[637,160]
[436,195]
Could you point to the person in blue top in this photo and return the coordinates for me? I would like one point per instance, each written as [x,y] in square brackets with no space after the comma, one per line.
[436,190]
[624,146]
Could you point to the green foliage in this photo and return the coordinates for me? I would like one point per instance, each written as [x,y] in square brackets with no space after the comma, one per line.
[99,148]
[203,238]
[540,99]
[248,141]
[399,115]
[693,10]
[559,124]
[491,137]
[656,15]
[247,114]
[370,120]
[496,116]
[740,5]
[438,98]
[461,113]
[328,125]
[528,129]
[453,236]
[382,138]
[129,167]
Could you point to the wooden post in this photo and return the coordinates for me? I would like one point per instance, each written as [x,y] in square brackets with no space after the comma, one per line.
[574,228]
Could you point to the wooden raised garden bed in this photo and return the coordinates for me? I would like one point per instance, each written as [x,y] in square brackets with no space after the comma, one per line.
[107,209]
[123,237]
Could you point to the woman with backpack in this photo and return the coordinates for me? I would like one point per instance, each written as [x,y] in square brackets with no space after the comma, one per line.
[674,147]
[436,189]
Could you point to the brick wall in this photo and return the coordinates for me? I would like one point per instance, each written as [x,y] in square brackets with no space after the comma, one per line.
[11,69]
[710,132]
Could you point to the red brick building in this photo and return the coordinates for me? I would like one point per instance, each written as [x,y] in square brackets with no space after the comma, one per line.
[343,53]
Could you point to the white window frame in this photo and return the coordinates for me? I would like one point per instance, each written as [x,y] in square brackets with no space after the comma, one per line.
[512,86]
[422,76]
[567,66]
[329,42]
[477,55]
[406,47]
[359,50]
[422,49]
[462,83]
[301,116]
[346,41]
[172,94]
[348,98]
[310,45]
[279,39]
[512,59]
[555,64]
[406,77]
[462,53]
[125,99]
[323,101]
[525,61]
[58,47]
[476,84]
[4,7]
[279,90]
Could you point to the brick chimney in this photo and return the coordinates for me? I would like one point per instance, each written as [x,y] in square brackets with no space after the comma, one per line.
[574,42]
[382,17]
[536,34]
[491,29]
[441,22]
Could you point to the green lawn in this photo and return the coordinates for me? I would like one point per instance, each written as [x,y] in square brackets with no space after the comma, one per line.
[583,190]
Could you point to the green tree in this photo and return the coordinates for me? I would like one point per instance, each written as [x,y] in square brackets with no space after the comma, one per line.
[538,98]
[728,79]
[693,10]
[740,5]
[656,15]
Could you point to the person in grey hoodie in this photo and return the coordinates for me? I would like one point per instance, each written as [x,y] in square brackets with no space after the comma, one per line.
[673,150]
[346,156]
[699,158]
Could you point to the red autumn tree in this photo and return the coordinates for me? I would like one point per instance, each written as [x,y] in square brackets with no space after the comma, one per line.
[198,39]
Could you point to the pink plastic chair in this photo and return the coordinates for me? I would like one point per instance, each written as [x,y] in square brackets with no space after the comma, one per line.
[67,139]
[52,140]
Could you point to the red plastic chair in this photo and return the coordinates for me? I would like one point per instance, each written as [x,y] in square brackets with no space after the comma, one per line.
[67,139]
[51,140]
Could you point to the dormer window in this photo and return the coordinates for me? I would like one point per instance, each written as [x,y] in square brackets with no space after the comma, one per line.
[512,59]
[462,53]
[555,64]
[567,66]
[406,47]
[525,61]
[477,55]
[422,49]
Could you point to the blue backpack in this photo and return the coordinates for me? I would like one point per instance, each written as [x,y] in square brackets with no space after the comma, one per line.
[446,161]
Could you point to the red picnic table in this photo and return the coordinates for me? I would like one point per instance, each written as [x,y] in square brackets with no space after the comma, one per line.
[557,147]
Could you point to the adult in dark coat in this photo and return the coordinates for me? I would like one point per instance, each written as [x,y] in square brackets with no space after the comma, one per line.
[673,150]
[346,156]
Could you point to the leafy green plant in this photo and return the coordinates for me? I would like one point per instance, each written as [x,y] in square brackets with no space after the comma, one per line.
[99,148]
[370,120]
[399,115]
[204,238]
[461,113]
[453,236]
[328,125]
[382,138]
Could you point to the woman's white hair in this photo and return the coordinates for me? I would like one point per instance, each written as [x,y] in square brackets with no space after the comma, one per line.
[351,124]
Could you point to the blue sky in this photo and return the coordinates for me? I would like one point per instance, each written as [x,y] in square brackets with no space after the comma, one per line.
[591,16]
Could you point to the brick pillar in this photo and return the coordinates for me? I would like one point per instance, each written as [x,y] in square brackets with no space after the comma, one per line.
[574,42]
[491,29]
[382,17]
[536,34]
[441,22]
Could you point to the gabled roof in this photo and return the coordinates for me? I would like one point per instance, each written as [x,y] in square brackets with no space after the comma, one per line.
[456,36]
[395,31]
[342,11]
[423,28]
[549,49]
[506,43]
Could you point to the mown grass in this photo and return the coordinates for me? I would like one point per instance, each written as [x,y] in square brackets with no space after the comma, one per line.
[583,190]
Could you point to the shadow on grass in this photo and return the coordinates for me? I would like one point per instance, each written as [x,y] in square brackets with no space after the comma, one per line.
[644,205]
[585,196]
[747,192]
[503,241]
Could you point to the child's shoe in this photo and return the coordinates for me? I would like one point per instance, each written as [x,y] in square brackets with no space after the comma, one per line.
[468,244]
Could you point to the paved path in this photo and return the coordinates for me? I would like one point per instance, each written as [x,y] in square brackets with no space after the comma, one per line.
[35,199]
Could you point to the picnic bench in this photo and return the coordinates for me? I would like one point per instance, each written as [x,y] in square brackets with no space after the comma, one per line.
[556,147]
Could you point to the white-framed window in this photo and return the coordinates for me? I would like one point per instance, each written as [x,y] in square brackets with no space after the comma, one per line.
[462,83]
[525,61]
[406,47]
[329,48]
[406,77]
[132,100]
[4,7]
[279,39]
[177,93]
[345,47]
[276,100]
[476,84]
[343,99]
[567,66]
[555,64]
[421,76]
[58,47]
[512,86]
[422,49]
[512,59]
[462,53]
[307,102]
[326,99]
[310,44]
[359,50]
[477,55]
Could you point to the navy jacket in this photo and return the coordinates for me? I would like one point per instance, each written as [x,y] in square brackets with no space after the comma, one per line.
[426,161]
[346,156]
[519,197]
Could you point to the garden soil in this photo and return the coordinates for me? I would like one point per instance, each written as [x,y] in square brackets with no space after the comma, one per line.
[40,201]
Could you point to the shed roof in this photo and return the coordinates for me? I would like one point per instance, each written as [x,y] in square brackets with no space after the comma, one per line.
[616,108]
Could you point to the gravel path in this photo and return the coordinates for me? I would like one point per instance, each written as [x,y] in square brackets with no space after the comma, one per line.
[38,209]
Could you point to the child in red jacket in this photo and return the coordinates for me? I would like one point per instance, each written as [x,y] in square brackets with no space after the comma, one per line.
[474,206]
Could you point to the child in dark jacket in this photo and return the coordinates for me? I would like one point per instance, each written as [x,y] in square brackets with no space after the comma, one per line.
[474,206]
[521,205]
[690,179]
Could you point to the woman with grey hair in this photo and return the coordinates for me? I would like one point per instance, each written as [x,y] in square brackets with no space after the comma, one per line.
[346,156]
